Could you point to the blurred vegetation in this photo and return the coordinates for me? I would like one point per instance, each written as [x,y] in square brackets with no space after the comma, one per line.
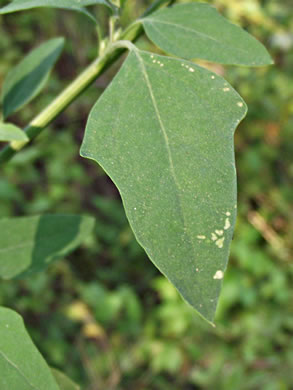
[105,315]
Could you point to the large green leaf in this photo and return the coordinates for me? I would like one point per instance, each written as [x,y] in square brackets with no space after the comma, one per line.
[74,5]
[26,79]
[196,30]
[163,131]
[9,132]
[29,244]
[21,365]
[63,381]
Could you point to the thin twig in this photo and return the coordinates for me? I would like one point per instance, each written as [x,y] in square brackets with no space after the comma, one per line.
[269,234]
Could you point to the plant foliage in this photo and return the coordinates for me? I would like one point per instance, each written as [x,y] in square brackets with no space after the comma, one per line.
[178,183]
[26,80]
[21,364]
[163,131]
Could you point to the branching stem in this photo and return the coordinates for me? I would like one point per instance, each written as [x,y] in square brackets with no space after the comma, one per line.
[77,86]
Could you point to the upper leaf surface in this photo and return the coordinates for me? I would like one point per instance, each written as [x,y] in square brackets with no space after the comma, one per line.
[163,131]
[74,5]
[26,79]
[63,381]
[21,364]
[9,132]
[29,244]
[197,30]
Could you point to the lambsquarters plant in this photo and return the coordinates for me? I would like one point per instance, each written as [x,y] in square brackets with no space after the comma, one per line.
[162,130]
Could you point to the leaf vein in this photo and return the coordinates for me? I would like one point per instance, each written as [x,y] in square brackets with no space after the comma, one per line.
[195,32]
[18,370]
[210,162]
[162,127]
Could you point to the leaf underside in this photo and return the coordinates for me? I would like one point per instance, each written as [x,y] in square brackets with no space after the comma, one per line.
[197,30]
[21,365]
[73,5]
[30,244]
[163,131]
[9,132]
[27,79]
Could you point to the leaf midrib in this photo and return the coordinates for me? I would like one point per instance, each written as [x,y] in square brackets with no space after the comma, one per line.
[13,365]
[167,144]
[229,136]
[193,31]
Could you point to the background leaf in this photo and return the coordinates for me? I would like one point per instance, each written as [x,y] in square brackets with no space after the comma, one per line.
[163,131]
[74,5]
[197,30]
[21,364]
[31,243]
[26,79]
[9,132]
[63,381]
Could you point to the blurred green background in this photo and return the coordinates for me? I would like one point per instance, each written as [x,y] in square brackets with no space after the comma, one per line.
[105,315]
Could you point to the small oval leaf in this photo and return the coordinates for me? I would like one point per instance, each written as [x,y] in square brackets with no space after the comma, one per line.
[27,79]
[163,131]
[22,367]
[197,30]
[30,244]
[10,132]
[73,5]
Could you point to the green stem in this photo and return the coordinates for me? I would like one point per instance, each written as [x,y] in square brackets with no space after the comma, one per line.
[135,29]
[66,97]
[100,35]
[112,22]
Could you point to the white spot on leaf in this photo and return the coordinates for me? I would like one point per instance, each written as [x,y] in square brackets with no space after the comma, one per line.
[240,104]
[200,237]
[219,232]
[220,242]
[227,224]
[214,237]
[219,275]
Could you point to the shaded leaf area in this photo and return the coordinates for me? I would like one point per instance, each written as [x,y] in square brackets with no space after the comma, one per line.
[9,132]
[27,79]
[21,364]
[63,381]
[197,30]
[168,146]
[74,5]
[29,244]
